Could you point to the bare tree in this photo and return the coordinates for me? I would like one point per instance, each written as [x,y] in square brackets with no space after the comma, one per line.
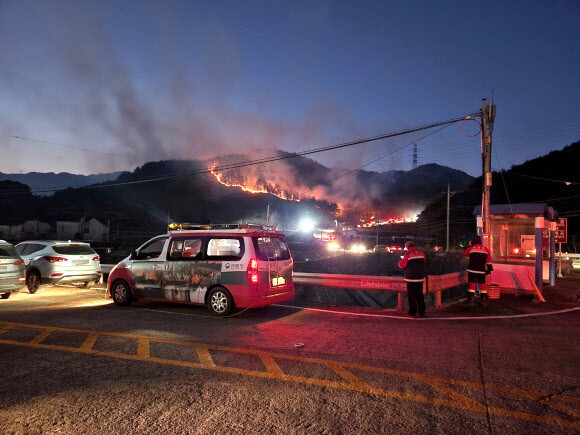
[573,244]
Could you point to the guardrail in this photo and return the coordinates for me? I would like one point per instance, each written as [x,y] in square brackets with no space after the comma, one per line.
[433,284]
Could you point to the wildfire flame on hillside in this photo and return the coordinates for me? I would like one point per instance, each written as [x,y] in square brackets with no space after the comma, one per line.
[251,186]
[272,182]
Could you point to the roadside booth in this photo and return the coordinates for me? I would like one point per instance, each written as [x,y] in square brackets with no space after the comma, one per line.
[522,244]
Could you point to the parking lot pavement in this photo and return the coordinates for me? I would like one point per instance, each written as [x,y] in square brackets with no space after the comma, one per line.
[74,362]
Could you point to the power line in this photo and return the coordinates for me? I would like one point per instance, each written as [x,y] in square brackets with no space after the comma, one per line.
[567,183]
[66,146]
[264,160]
[379,158]
[504,185]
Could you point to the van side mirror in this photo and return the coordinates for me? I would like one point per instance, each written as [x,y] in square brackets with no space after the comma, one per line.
[133,255]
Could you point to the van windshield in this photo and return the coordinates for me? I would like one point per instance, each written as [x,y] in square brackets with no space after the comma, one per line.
[271,248]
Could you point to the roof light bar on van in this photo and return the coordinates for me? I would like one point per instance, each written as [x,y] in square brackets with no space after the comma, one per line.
[185,226]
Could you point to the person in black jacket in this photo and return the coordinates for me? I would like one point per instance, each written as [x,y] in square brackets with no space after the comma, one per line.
[413,263]
[479,266]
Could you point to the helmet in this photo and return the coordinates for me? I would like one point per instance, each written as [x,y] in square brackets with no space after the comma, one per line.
[409,244]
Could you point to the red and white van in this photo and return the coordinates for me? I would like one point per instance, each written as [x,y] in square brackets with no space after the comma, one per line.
[223,267]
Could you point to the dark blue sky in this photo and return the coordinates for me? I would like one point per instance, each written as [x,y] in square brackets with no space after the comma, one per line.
[153,80]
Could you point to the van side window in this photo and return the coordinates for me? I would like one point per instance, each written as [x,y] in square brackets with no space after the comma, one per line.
[185,249]
[231,248]
[151,250]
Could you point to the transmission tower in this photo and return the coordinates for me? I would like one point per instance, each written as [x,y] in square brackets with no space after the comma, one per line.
[414,156]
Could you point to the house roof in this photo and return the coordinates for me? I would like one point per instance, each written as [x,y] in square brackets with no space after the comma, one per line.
[540,209]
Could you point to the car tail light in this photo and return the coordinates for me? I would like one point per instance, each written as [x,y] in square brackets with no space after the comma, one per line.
[253,271]
[56,274]
[55,259]
[97,258]
[18,262]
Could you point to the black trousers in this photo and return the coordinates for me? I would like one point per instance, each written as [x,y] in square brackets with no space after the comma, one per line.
[415,296]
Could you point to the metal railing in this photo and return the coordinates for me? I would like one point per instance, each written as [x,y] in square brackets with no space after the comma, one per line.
[433,284]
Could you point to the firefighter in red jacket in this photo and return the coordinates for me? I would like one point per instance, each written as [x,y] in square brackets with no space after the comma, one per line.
[413,262]
[479,266]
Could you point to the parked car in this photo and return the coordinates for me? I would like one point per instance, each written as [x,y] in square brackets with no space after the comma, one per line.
[12,270]
[51,262]
[221,267]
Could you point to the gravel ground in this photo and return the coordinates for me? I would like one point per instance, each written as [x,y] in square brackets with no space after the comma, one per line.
[478,365]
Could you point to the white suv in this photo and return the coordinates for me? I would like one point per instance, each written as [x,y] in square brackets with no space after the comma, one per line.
[51,262]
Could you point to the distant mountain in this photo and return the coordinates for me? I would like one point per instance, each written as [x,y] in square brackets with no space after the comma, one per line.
[141,202]
[40,181]
[390,194]
[553,179]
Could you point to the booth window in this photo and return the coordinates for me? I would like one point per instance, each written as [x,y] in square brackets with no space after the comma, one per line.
[513,240]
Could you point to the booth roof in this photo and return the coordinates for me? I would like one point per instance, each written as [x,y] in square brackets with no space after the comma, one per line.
[524,208]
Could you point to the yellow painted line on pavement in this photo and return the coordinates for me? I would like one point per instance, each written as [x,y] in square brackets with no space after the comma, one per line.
[44,334]
[272,370]
[271,365]
[89,342]
[460,398]
[345,374]
[204,356]
[143,347]
[6,328]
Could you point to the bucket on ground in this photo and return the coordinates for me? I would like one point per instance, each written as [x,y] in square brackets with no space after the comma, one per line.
[493,290]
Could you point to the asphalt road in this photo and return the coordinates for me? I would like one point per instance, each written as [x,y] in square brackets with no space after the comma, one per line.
[72,362]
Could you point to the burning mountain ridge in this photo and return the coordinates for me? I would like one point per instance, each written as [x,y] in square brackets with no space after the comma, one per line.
[183,194]
[392,194]
[252,183]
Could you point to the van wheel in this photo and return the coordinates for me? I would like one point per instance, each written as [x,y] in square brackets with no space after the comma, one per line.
[220,302]
[33,282]
[5,295]
[121,293]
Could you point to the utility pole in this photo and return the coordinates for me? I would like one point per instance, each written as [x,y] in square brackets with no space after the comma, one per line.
[268,216]
[487,118]
[449,195]
[448,198]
